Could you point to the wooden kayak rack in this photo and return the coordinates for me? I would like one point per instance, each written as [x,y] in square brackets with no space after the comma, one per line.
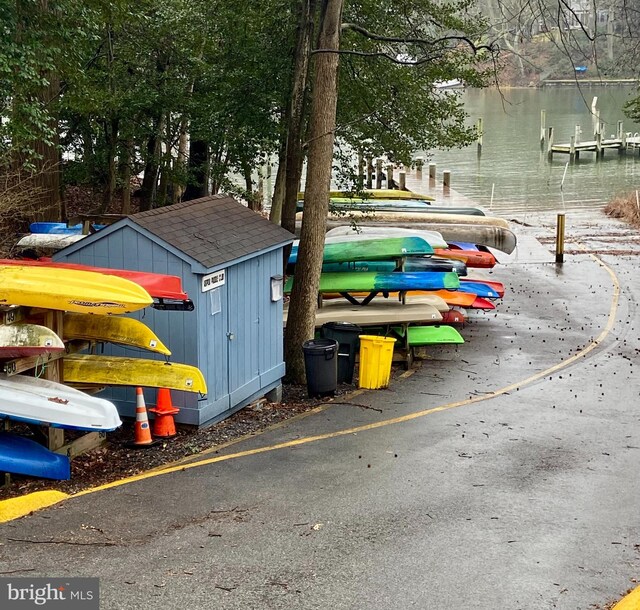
[48,366]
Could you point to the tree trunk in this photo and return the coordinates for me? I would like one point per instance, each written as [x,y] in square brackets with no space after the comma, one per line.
[149,187]
[277,201]
[181,162]
[111,137]
[126,179]
[198,162]
[296,114]
[302,307]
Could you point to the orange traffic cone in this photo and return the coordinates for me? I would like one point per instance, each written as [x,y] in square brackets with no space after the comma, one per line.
[142,433]
[163,424]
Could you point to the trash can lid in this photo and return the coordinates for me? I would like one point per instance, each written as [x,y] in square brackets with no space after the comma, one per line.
[319,345]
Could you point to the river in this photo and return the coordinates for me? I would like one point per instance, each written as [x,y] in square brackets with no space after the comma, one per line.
[514,167]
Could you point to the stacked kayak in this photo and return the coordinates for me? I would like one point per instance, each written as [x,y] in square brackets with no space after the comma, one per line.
[84,305]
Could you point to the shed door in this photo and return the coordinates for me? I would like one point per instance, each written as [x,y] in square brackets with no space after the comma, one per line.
[243,337]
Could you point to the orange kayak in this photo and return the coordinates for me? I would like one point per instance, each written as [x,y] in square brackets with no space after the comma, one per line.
[453,298]
[471,258]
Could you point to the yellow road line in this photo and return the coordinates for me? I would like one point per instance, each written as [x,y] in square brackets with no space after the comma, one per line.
[375,425]
[630,601]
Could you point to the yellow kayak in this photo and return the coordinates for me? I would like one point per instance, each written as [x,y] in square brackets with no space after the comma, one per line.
[124,331]
[87,369]
[70,290]
[378,194]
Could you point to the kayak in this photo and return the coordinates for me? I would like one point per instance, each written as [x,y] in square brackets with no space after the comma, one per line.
[88,369]
[45,241]
[471,258]
[22,340]
[70,290]
[379,194]
[19,455]
[59,228]
[480,290]
[426,218]
[40,401]
[429,335]
[345,232]
[382,248]
[120,330]
[383,282]
[411,263]
[497,286]
[159,286]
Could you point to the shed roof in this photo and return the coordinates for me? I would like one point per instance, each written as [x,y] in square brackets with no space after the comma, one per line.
[212,230]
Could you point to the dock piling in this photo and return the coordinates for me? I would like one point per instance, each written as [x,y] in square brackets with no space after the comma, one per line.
[369,172]
[543,129]
[419,165]
[432,172]
[480,132]
[378,173]
[446,181]
[402,180]
[560,225]
[550,144]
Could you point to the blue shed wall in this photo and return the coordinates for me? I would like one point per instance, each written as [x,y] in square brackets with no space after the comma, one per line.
[237,370]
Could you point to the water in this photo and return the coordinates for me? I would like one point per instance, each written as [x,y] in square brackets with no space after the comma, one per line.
[513,163]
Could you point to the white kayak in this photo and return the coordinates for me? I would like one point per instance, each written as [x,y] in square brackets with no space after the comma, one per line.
[349,232]
[40,401]
[47,241]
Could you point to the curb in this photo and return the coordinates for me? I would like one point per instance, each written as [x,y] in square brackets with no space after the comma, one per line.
[630,601]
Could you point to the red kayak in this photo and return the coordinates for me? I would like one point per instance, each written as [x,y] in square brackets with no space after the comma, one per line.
[166,290]
[481,303]
[453,316]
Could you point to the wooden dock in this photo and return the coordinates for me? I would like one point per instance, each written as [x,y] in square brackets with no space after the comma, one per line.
[622,142]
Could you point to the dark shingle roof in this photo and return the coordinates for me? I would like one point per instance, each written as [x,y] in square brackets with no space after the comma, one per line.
[212,230]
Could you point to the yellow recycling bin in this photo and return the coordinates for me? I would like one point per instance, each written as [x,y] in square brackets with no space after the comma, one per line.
[376,355]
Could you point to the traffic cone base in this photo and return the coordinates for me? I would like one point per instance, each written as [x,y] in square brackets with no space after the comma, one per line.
[141,430]
[163,424]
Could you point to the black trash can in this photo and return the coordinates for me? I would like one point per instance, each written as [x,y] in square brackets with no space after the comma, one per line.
[348,337]
[321,366]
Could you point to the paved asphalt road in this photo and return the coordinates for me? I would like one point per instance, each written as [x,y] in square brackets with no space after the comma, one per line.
[528,498]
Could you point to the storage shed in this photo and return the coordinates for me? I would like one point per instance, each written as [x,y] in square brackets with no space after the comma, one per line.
[230,262]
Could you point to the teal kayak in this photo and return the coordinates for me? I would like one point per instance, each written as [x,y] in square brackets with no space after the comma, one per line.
[357,281]
[412,263]
[376,248]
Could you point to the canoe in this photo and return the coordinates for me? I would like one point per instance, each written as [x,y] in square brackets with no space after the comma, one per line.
[480,290]
[411,263]
[44,241]
[379,312]
[70,290]
[19,455]
[59,228]
[383,248]
[429,335]
[22,340]
[343,205]
[88,369]
[383,282]
[500,238]
[427,218]
[471,258]
[158,285]
[344,233]
[379,194]
[120,330]
[39,401]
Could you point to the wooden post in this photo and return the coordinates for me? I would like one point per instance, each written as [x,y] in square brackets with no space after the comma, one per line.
[419,165]
[479,131]
[572,149]
[597,124]
[360,171]
[369,172]
[560,238]
[402,178]
[390,180]
[446,180]
[619,130]
[550,144]
[53,372]
[432,172]
[378,173]
[543,129]
[598,146]
[576,132]
[624,140]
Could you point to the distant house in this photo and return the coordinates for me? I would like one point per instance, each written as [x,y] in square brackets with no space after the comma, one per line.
[230,262]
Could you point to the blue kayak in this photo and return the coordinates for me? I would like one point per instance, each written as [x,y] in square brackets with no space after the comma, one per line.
[19,455]
[58,228]
[482,290]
